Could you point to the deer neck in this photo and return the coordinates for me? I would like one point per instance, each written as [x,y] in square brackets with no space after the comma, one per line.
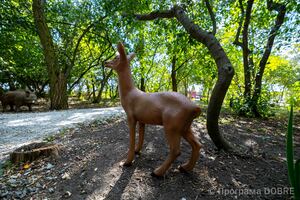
[126,83]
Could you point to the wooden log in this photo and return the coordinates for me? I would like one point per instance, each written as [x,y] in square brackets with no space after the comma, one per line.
[33,151]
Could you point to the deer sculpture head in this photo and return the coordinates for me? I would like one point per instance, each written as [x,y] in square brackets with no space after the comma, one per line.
[120,61]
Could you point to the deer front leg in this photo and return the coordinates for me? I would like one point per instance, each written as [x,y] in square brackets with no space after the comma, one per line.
[141,138]
[130,156]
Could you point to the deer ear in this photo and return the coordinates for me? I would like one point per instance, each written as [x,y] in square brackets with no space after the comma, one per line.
[130,56]
[121,51]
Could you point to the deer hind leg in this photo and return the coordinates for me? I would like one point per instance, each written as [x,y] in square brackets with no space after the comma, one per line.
[192,140]
[173,139]
[141,138]
[130,156]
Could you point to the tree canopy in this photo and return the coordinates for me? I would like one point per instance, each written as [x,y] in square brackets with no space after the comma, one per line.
[57,49]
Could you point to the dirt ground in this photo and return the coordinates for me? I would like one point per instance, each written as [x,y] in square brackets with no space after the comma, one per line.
[90,157]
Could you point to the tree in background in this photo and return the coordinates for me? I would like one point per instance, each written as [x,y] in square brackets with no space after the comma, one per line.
[21,63]
[64,45]
[254,67]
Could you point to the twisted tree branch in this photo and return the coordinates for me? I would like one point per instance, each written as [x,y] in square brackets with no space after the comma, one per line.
[212,16]
[237,36]
[156,15]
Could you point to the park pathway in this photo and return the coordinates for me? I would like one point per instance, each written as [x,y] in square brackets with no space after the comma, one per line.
[17,129]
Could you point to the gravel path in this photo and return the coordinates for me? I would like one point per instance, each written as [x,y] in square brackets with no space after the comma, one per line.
[17,129]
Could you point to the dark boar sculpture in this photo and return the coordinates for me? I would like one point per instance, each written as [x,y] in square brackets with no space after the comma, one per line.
[17,98]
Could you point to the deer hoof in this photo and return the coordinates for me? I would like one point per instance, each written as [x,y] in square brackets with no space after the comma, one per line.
[182,169]
[155,175]
[126,164]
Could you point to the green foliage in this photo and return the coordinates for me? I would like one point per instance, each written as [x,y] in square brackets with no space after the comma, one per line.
[280,72]
[155,43]
[50,138]
[243,107]
[7,164]
[20,53]
[293,168]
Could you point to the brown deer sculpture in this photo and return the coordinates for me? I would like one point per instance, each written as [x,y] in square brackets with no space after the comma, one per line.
[172,110]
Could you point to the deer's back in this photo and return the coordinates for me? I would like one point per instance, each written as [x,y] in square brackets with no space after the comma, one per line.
[153,108]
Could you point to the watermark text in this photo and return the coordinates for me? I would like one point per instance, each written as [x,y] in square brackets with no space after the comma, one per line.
[253,192]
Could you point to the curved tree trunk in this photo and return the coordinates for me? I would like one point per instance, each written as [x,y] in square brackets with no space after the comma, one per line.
[225,69]
[225,74]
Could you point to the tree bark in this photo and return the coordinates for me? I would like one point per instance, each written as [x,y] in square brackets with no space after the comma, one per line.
[246,52]
[185,84]
[225,69]
[237,36]
[212,16]
[93,91]
[104,80]
[33,151]
[142,87]
[58,92]
[245,46]
[58,80]
[174,70]
[142,80]
[173,74]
